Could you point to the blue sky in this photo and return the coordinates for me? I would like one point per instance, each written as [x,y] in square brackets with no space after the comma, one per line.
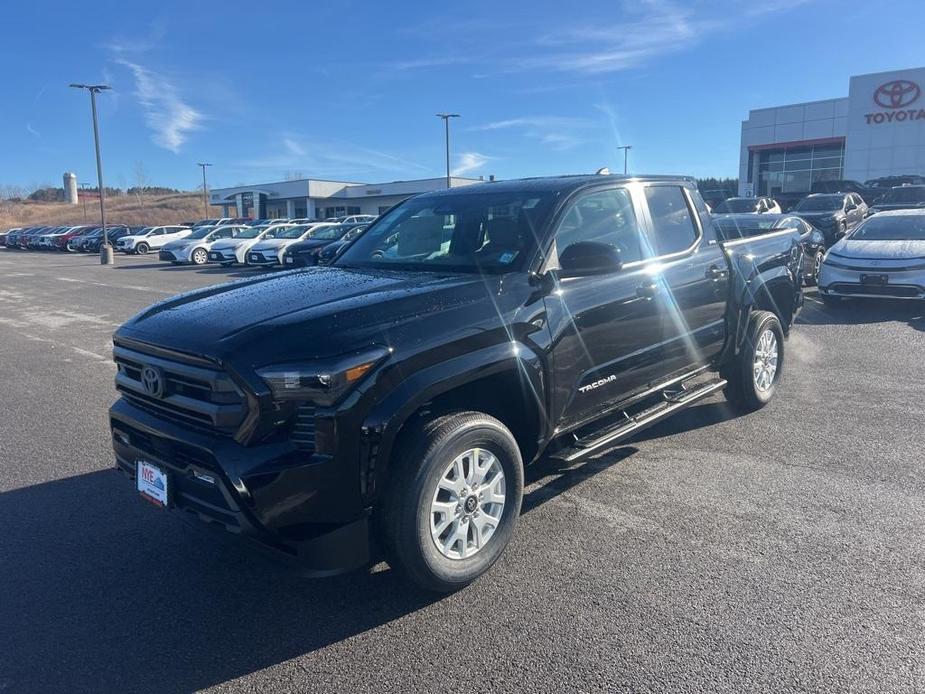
[348,89]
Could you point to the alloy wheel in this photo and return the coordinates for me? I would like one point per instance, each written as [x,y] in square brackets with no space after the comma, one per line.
[200,256]
[468,504]
[765,363]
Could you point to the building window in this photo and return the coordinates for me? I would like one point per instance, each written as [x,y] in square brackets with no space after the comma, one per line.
[796,169]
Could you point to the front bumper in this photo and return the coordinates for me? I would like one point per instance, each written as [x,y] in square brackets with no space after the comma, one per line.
[888,279]
[262,258]
[293,503]
[173,256]
[223,256]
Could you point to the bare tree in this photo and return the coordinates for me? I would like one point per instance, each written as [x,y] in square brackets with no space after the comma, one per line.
[142,182]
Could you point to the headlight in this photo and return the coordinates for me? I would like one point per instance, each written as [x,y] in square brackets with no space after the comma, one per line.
[323,382]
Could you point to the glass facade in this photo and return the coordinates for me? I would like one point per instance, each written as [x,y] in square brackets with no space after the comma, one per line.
[795,169]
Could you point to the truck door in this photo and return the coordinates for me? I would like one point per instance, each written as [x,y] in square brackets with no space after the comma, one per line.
[693,276]
[606,327]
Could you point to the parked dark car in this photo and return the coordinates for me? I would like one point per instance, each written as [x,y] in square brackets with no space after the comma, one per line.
[885,183]
[812,241]
[748,206]
[92,244]
[901,198]
[331,251]
[867,193]
[29,238]
[834,214]
[307,252]
[388,402]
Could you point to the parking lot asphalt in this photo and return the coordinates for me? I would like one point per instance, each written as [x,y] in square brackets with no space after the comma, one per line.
[779,551]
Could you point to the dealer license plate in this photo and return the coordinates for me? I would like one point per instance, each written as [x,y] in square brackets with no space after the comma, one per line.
[875,280]
[151,482]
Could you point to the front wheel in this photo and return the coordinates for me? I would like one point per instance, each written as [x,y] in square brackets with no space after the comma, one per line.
[813,278]
[142,248]
[754,374]
[200,257]
[453,500]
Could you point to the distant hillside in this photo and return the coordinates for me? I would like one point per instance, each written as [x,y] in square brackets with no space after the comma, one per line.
[125,209]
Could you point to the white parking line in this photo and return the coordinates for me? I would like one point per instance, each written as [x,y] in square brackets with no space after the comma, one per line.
[116,286]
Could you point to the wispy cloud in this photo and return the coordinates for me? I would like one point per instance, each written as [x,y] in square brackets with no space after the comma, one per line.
[646,30]
[468,162]
[330,158]
[166,113]
[556,132]
[32,131]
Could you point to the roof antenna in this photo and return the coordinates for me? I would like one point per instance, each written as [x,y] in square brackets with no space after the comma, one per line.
[603,171]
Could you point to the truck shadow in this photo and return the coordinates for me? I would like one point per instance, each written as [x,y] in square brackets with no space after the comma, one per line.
[103,593]
[115,596]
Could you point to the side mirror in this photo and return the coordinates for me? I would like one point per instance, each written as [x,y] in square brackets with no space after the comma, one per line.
[589,258]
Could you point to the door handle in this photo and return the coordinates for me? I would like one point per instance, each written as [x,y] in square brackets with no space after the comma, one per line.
[647,291]
[715,273]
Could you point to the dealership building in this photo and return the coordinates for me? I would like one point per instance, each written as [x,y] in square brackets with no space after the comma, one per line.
[318,199]
[877,130]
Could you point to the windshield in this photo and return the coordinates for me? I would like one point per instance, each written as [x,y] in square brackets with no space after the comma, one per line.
[199,233]
[288,232]
[823,203]
[251,232]
[330,233]
[891,228]
[905,194]
[737,205]
[466,232]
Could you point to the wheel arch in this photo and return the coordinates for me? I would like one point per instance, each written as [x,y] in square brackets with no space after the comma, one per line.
[508,384]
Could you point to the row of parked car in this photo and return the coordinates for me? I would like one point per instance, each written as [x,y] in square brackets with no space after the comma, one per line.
[193,242]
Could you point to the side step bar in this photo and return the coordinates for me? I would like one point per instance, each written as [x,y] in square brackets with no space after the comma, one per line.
[672,402]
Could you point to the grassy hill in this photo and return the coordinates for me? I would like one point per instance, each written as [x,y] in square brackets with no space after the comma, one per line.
[125,209]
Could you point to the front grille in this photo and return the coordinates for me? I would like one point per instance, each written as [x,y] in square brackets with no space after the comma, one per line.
[894,290]
[197,396]
[303,429]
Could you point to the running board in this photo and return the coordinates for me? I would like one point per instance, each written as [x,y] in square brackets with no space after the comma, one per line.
[672,402]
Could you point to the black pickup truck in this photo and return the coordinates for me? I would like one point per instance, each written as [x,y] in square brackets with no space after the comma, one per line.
[385,406]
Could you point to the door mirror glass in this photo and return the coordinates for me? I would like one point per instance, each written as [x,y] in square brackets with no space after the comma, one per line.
[589,258]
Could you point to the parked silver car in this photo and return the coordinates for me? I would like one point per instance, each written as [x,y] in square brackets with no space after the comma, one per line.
[883,257]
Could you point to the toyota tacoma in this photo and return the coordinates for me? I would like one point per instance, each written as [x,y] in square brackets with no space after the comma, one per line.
[385,406]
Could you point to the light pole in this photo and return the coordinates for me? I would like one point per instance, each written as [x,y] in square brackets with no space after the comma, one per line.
[106,255]
[83,187]
[446,122]
[205,188]
[626,150]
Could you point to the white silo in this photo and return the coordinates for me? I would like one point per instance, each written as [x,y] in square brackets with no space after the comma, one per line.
[70,188]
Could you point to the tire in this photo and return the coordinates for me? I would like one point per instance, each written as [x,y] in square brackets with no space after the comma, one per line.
[749,389]
[407,524]
[813,279]
[142,248]
[199,256]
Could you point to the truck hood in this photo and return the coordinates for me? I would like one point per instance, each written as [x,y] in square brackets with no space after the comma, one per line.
[317,312]
[878,250]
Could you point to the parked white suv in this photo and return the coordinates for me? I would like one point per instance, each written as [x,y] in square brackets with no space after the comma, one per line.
[151,237]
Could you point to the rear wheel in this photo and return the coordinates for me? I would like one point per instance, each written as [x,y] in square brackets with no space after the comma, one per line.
[142,248]
[754,375]
[813,279]
[453,500]
[199,256]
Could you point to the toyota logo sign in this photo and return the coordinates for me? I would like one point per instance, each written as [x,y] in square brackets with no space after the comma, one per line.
[152,380]
[897,94]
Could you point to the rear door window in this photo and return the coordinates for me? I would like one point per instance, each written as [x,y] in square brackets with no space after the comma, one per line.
[673,228]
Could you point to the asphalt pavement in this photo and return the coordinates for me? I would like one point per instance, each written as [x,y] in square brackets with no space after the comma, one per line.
[779,551]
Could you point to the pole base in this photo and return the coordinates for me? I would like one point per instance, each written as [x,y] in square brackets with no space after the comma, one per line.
[106,255]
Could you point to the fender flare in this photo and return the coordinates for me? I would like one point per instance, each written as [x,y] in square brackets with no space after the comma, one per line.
[386,419]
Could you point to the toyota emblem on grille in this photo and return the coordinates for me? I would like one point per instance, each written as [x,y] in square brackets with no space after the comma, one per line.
[152,380]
